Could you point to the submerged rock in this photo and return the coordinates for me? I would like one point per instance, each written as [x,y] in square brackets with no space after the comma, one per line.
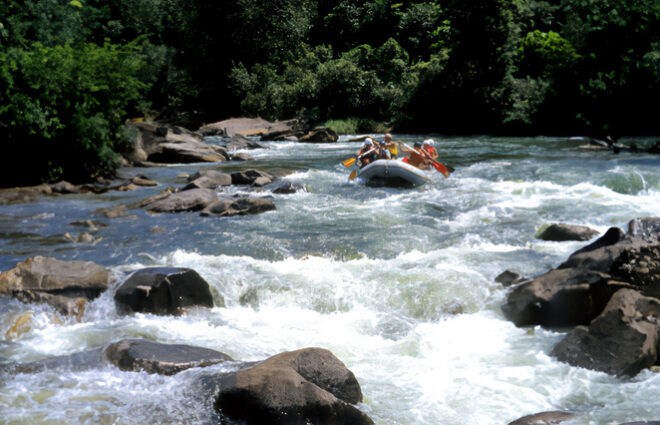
[508,278]
[163,359]
[566,232]
[163,290]
[239,205]
[305,386]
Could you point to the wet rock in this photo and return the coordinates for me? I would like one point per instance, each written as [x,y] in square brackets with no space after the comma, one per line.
[250,177]
[544,418]
[285,187]
[623,340]
[208,179]
[640,266]
[239,205]
[68,278]
[86,360]
[119,211]
[305,386]
[66,306]
[92,226]
[613,236]
[163,359]
[647,228]
[163,290]
[249,298]
[150,200]
[560,232]
[320,135]
[508,278]
[561,297]
[187,200]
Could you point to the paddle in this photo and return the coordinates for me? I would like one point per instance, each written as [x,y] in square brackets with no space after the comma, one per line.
[440,167]
[349,162]
[354,172]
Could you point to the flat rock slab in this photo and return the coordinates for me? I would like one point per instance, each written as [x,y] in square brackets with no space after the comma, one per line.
[163,290]
[163,359]
[69,278]
[249,127]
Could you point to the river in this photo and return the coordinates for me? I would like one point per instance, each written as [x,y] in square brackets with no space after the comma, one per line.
[397,283]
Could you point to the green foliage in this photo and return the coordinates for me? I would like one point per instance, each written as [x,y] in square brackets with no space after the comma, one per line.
[542,53]
[63,105]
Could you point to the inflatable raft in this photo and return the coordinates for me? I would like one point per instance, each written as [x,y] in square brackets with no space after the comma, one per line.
[393,173]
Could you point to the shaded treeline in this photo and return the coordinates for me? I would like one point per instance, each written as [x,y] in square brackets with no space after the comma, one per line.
[71,72]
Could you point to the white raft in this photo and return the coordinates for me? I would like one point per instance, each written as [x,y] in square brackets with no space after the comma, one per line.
[393,173]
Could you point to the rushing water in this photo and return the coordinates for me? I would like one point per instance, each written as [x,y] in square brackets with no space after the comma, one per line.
[399,284]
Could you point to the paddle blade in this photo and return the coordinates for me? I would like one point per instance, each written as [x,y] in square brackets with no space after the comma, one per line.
[441,168]
[349,162]
[353,174]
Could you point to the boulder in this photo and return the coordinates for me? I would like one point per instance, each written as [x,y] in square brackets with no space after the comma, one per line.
[64,187]
[251,176]
[561,297]
[66,306]
[508,278]
[320,135]
[159,143]
[208,179]
[239,205]
[238,142]
[622,341]
[141,180]
[187,200]
[305,386]
[67,278]
[544,418]
[163,359]
[640,266]
[163,290]
[285,187]
[566,232]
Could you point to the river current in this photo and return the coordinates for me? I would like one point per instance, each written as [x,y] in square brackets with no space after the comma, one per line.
[397,283]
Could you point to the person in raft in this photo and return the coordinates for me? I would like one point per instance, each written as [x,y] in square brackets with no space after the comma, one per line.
[383,152]
[367,152]
[391,146]
[417,158]
[428,147]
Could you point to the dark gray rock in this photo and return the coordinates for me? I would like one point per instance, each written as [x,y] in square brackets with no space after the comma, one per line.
[163,359]
[250,177]
[285,187]
[623,340]
[566,232]
[163,290]
[240,205]
[613,236]
[508,278]
[304,386]
[320,135]
[187,200]
[544,418]
[66,306]
[561,297]
[647,228]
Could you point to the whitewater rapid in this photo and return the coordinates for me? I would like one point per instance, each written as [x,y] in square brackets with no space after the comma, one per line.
[398,284]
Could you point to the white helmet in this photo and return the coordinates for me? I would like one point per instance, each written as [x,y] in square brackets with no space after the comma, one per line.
[428,142]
